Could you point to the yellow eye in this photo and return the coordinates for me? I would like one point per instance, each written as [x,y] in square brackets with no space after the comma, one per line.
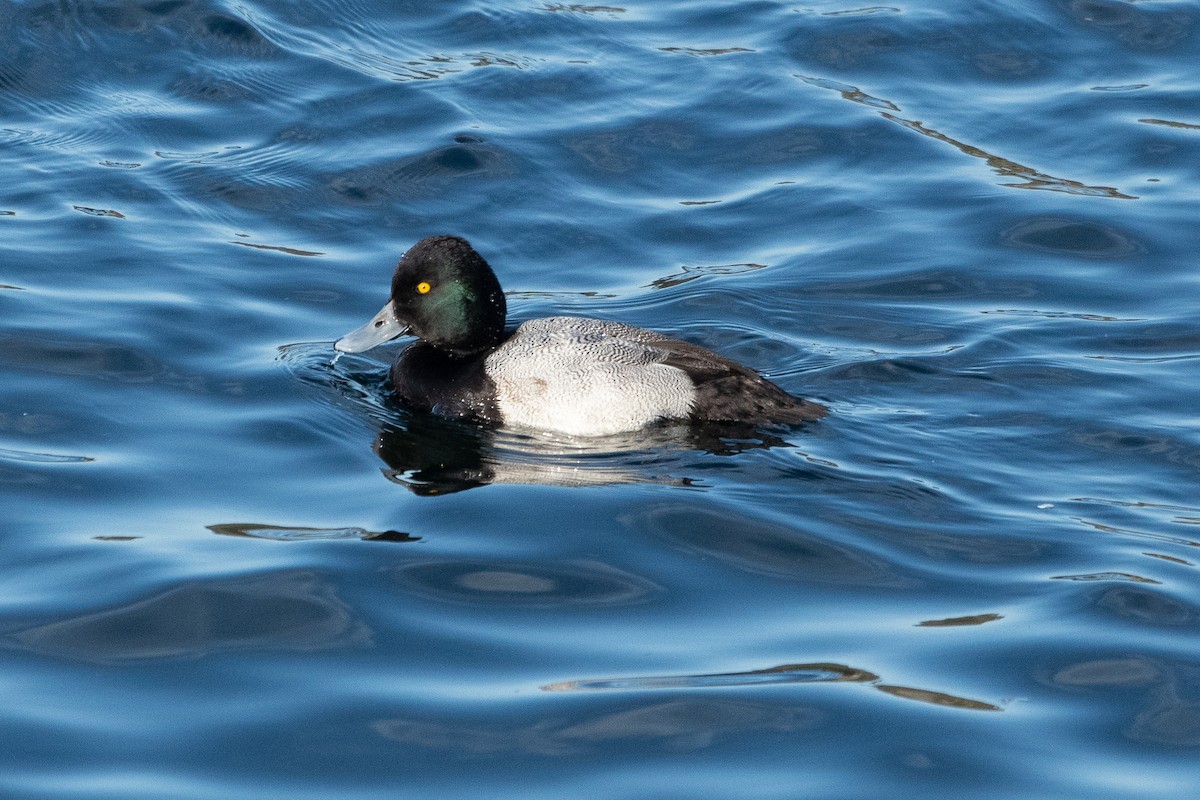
[423,287]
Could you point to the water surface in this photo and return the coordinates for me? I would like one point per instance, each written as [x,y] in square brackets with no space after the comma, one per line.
[233,569]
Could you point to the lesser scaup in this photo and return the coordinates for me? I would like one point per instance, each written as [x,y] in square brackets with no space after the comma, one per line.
[585,377]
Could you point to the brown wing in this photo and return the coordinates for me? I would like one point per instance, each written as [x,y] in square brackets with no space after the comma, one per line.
[728,391]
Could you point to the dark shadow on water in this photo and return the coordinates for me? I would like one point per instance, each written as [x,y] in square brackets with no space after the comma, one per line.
[430,455]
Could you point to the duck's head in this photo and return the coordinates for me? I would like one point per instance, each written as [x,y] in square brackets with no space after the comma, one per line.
[445,294]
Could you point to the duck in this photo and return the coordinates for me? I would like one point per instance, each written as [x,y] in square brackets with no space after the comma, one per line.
[576,376]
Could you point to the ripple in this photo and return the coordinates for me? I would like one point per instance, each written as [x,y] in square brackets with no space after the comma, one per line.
[1146,606]
[99,212]
[1143,534]
[786,673]
[1171,124]
[1141,28]
[291,251]
[1174,722]
[282,533]
[1072,237]
[68,141]
[700,53]
[581,8]
[781,551]
[682,725]
[370,48]
[783,674]
[1021,312]
[236,34]
[937,698]
[955,622]
[356,381]
[294,611]
[524,584]
[1105,576]
[1008,64]
[1029,177]
[422,174]
[1108,672]
[99,360]
[688,274]
[1162,715]
[42,458]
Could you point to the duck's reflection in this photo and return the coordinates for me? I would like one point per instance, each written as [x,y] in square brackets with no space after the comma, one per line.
[431,455]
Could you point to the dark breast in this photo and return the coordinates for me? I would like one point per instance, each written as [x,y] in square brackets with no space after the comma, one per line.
[426,379]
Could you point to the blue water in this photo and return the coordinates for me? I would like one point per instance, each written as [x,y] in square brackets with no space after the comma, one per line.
[232,569]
